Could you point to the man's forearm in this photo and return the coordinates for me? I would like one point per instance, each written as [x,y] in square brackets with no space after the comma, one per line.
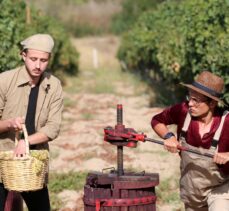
[38,138]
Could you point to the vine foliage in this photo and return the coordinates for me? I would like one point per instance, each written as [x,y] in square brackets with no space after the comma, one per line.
[177,41]
[14,28]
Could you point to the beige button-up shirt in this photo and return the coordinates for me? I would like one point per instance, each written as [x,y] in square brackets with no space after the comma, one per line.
[14,96]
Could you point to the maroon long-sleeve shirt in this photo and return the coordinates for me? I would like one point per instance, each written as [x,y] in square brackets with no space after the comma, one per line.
[176,115]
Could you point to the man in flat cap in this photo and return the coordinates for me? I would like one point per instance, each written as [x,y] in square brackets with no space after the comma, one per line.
[30,96]
[203,127]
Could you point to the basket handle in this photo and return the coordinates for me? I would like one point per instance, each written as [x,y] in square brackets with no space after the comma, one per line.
[24,130]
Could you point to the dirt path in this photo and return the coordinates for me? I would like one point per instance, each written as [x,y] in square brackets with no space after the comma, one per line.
[80,146]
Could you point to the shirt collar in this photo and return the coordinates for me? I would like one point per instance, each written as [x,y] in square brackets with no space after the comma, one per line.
[23,78]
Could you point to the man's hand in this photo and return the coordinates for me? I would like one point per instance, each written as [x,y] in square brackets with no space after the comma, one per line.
[221,157]
[20,149]
[171,144]
[15,124]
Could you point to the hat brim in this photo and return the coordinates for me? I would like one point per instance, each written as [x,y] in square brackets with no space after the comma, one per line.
[190,86]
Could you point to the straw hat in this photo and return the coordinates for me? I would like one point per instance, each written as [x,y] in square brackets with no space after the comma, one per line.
[208,84]
[40,42]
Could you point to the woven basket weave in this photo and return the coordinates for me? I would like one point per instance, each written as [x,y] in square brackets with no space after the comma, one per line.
[26,173]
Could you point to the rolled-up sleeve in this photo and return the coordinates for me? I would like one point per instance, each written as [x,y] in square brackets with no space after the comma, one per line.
[1,102]
[2,95]
[171,115]
[52,126]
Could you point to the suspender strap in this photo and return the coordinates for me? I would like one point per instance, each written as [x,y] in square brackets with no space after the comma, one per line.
[186,122]
[218,131]
[185,126]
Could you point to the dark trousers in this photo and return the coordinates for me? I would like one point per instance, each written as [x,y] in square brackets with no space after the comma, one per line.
[3,195]
[35,200]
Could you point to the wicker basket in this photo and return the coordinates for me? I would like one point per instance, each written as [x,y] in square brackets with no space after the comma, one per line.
[27,173]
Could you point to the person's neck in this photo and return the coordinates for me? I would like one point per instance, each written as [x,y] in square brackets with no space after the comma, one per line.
[34,82]
[207,118]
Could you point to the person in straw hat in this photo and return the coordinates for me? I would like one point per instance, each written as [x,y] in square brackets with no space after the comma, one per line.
[29,95]
[202,126]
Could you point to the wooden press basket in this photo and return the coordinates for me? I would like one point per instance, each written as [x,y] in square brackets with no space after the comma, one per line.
[26,173]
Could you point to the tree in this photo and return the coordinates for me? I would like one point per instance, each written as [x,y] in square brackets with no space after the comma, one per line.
[16,23]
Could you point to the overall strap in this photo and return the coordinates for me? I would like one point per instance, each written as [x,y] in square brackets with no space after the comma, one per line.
[186,122]
[186,125]
[216,137]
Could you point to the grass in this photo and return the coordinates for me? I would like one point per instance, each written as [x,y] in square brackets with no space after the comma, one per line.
[64,181]
[56,203]
[104,81]
[54,154]
[87,116]
[70,181]
[168,192]
[68,102]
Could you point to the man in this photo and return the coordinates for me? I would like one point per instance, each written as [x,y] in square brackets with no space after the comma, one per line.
[203,126]
[32,96]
